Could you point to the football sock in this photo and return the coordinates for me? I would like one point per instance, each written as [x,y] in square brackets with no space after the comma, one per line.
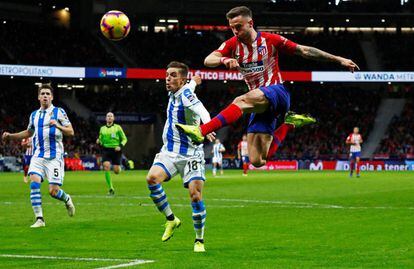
[214,171]
[61,195]
[25,169]
[159,198]
[278,136]
[351,167]
[36,199]
[245,167]
[357,168]
[199,218]
[108,179]
[226,117]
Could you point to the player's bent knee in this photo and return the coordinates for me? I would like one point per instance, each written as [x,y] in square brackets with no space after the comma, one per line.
[153,179]
[195,196]
[53,192]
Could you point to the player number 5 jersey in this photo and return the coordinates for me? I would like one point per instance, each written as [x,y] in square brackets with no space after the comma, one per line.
[48,143]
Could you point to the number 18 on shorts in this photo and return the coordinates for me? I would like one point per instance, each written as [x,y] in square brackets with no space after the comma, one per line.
[189,167]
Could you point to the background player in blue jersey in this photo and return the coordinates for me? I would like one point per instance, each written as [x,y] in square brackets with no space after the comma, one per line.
[217,151]
[49,124]
[179,155]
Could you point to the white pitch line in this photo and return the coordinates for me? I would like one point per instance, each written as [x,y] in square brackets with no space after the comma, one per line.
[264,203]
[284,204]
[135,262]
[61,258]
[130,263]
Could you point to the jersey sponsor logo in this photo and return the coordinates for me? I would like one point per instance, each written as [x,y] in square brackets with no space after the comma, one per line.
[189,95]
[253,67]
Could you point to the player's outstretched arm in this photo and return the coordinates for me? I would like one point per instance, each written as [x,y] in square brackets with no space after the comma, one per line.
[320,55]
[6,136]
[213,60]
[216,58]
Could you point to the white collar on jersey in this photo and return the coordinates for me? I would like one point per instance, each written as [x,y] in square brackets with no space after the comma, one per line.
[177,93]
[49,109]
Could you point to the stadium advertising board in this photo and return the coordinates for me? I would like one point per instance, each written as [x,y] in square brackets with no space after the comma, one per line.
[277,165]
[103,72]
[206,74]
[209,74]
[363,76]
[387,165]
[41,71]
[131,118]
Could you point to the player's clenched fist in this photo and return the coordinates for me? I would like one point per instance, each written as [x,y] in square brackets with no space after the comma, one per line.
[197,79]
[5,136]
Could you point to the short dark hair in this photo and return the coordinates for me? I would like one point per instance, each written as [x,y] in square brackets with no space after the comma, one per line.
[181,66]
[237,11]
[45,86]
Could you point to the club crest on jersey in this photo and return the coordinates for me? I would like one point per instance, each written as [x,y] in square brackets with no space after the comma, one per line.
[262,50]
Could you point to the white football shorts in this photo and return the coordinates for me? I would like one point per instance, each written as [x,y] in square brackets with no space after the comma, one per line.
[189,167]
[53,169]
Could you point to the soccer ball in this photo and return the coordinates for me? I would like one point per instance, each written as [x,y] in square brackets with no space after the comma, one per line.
[115,25]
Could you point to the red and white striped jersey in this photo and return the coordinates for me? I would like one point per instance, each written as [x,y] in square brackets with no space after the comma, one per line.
[259,61]
[28,143]
[357,139]
[243,148]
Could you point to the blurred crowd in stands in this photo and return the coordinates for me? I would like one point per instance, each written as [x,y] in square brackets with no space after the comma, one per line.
[399,140]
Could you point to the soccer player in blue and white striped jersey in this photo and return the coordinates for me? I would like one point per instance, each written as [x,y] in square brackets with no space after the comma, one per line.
[49,124]
[217,151]
[179,155]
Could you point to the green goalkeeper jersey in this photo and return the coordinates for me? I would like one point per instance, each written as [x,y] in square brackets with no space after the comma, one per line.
[112,136]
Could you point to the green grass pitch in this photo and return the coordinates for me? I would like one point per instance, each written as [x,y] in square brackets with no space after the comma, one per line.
[265,220]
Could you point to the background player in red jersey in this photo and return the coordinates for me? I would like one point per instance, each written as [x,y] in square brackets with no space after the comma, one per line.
[28,148]
[243,154]
[355,141]
[255,55]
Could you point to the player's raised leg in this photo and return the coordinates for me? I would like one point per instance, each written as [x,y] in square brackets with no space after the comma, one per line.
[199,213]
[36,200]
[156,175]
[253,101]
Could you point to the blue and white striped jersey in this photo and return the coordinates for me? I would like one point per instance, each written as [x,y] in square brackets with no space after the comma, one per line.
[180,110]
[48,139]
[216,150]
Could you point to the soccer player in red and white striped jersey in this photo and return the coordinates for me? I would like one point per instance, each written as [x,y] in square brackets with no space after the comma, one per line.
[255,55]
[243,154]
[355,141]
[27,144]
